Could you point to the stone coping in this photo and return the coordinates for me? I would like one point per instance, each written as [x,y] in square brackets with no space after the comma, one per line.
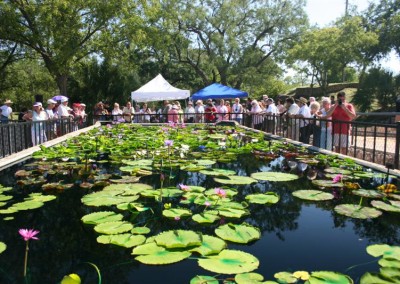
[21,156]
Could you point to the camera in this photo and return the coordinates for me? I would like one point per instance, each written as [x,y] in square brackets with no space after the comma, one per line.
[340,101]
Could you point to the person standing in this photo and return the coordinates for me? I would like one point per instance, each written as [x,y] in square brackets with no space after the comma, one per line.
[190,113]
[5,111]
[199,109]
[51,126]
[271,116]
[304,114]
[342,113]
[326,125]
[237,111]
[127,112]
[116,112]
[210,112]
[37,116]
[257,117]
[222,110]
[292,122]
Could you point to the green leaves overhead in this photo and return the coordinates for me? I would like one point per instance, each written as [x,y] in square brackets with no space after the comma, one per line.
[230,262]
[242,234]
[274,176]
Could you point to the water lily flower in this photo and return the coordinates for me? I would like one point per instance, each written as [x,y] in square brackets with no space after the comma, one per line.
[220,192]
[164,129]
[184,187]
[202,148]
[168,143]
[337,178]
[177,218]
[109,126]
[171,124]
[28,234]
[207,203]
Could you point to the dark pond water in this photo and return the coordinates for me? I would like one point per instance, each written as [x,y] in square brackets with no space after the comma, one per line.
[296,235]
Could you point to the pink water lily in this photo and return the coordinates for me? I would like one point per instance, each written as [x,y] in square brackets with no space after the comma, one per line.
[337,178]
[28,234]
[207,203]
[220,192]
[168,143]
[177,218]
[184,187]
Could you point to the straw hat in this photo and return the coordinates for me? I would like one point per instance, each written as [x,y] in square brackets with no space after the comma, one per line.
[8,102]
[302,100]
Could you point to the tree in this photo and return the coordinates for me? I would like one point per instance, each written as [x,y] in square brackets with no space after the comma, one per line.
[61,32]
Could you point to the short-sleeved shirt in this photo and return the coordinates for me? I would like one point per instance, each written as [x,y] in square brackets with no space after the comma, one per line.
[340,114]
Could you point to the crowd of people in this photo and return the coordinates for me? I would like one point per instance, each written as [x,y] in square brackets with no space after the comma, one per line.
[302,119]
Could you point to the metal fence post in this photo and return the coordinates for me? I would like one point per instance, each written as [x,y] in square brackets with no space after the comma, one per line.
[396,151]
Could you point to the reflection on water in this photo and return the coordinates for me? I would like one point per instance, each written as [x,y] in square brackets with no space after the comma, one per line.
[296,235]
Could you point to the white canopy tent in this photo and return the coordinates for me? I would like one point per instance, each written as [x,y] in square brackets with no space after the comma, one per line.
[158,89]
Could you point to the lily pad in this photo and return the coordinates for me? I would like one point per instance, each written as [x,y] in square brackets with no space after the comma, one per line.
[123,240]
[285,277]
[230,262]
[153,254]
[101,217]
[322,277]
[202,279]
[107,198]
[242,234]
[274,176]
[40,197]
[368,193]
[140,230]
[394,206]
[249,278]
[71,279]
[237,180]
[374,278]
[327,183]
[357,211]
[314,195]
[3,247]
[205,218]
[205,162]
[217,172]
[176,212]
[231,212]
[27,205]
[334,170]
[112,228]
[129,188]
[5,197]
[263,198]
[178,239]
[138,163]
[384,250]
[210,245]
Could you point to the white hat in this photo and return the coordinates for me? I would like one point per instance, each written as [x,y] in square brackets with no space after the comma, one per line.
[83,105]
[63,100]
[37,104]
[51,101]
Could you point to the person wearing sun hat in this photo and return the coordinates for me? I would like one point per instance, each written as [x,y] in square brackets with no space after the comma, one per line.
[199,110]
[38,126]
[190,112]
[303,115]
[5,111]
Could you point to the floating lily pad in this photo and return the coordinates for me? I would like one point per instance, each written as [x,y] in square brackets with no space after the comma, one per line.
[238,180]
[320,277]
[217,172]
[210,245]
[126,179]
[285,277]
[228,191]
[326,183]
[71,279]
[2,203]
[242,234]
[314,195]
[178,239]
[205,162]
[394,196]
[394,206]
[368,193]
[107,198]
[249,278]
[5,197]
[112,228]
[101,217]
[140,230]
[384,250]
[231,212]
[3,247]
[153,254]
[9,210]
[40,197]
[230,262]
[274,176]
[202,279]
[138,163]
[129,188]
[374,278]
[357,211]
[334,170]
[364,174]
[176,212]
[263,198]
[171,192]
[205,218]
[123,240]
[27,205]
[4,189]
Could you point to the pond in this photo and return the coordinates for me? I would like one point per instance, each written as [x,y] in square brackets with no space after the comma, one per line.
[187,201]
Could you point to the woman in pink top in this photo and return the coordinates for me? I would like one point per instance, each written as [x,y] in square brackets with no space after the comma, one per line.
[173,115]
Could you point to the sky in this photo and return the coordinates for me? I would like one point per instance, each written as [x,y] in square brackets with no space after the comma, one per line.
[324,12]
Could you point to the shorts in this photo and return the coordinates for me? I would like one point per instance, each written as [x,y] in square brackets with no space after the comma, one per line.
[344,140]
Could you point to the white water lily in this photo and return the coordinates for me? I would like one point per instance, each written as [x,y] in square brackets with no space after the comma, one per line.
[185,147]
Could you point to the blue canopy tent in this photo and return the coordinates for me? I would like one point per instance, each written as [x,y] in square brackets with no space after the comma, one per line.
[218,91]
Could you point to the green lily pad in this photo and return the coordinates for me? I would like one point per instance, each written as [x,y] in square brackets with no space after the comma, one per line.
[133,206]
[129,188]
[263,198]
[140,230]
[9,210]
[107,198]
[334,170]
[101,217]
[112,228]
[394,206]
[3,247]
[71,279]
[285,277]
[5,197]
[229,192]
[242,234]
[176,212]
[205,162]
[231,212]
[178,239]
[326,183]
[217,172]
[364,174]
[27,205]
[123,240]
[40,197]
[205,218]
[394,196]
[249,278]
[357,211]
[274,176]
[202,279]
[314,195]
[138,163]
[171,192]
[153,254]
[230,262]
[237,180]
[374,278]
[323,277]
[384,250]
[4,189]
[209,245]
[368,193]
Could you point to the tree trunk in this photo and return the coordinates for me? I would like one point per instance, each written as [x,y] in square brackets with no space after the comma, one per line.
[62,80]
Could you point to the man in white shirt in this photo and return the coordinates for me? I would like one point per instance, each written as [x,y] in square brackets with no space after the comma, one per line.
[271,118]
[292,122]
[63,109]
[303,115]
[51,127]
[5,111]
[190,113]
